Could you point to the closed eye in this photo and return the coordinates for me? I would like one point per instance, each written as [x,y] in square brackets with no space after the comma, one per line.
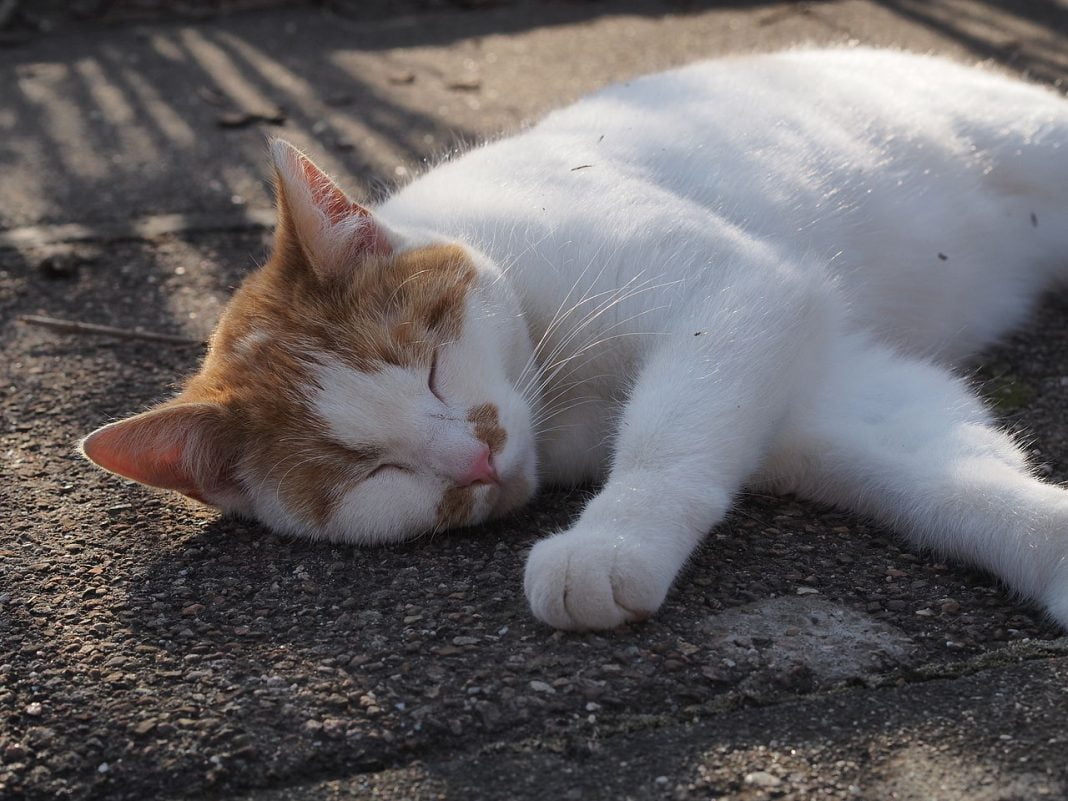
[432,379]
[384,468]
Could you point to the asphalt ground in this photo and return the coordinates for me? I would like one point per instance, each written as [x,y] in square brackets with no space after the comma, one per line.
[149,649]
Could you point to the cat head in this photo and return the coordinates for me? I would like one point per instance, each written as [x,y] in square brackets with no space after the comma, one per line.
[360,386]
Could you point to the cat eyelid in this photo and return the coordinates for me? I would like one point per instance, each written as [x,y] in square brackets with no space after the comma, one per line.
[431,381]
[384,467]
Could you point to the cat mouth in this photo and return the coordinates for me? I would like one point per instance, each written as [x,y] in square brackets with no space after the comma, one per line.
[511,493]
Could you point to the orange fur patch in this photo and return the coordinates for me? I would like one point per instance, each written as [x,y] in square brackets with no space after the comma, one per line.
[455,507]
[488,426]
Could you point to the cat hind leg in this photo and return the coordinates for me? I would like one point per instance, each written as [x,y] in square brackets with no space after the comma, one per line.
[907,443]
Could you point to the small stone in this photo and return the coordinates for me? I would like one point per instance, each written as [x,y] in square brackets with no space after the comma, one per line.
[807,591]
[712,674]
[465,640]
[541,687]
[192,610]
[313,726]
[950,607]
[924,613]
[103,767]
[761,778]
[145,726]
[34,710]
[333,728]
[661,781]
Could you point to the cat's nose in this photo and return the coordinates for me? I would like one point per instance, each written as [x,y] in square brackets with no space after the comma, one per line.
[481,471]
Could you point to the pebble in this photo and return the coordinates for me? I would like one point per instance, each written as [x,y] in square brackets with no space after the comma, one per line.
[333,727]
[34,709]
[145,726]
[541,687]
[761,778]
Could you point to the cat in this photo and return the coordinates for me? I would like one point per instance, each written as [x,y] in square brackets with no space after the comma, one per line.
[755,271]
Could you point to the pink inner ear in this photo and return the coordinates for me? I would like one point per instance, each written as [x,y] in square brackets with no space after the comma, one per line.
[327,196]
[154,449]
[338,208]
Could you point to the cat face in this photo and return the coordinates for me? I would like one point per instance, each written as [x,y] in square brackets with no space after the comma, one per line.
[359,387]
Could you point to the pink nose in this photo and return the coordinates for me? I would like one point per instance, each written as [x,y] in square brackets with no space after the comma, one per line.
[481,470]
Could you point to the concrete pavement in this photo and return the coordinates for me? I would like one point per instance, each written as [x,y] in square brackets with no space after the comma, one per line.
[149,649]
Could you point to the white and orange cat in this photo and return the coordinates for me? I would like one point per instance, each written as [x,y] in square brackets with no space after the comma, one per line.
[755,271]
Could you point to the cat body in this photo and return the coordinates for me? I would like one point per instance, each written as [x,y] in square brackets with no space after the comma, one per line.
[753,271]
[892,185]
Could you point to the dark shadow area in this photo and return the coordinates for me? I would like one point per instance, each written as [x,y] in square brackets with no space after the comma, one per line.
[51,15]
[1029,37]
[941,739]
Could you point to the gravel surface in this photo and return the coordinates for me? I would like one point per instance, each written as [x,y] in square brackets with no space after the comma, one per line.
[149,649]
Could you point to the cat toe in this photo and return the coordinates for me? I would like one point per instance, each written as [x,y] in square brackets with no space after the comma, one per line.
[581,582]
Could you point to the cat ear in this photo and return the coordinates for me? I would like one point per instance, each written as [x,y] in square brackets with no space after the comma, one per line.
[185,447]
[331,230]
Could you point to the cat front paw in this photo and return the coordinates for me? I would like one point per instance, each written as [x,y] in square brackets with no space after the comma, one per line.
[581,580]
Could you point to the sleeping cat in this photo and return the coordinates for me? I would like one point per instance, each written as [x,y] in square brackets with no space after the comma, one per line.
[754,272]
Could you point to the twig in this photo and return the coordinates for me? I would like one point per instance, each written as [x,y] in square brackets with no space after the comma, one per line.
[73,327]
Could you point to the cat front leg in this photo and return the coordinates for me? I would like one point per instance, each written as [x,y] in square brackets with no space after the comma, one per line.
[907,443]
[697,423]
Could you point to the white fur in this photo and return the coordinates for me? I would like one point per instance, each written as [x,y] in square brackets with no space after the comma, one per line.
[744,285]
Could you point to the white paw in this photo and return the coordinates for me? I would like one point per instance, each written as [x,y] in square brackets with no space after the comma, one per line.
[591,580]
